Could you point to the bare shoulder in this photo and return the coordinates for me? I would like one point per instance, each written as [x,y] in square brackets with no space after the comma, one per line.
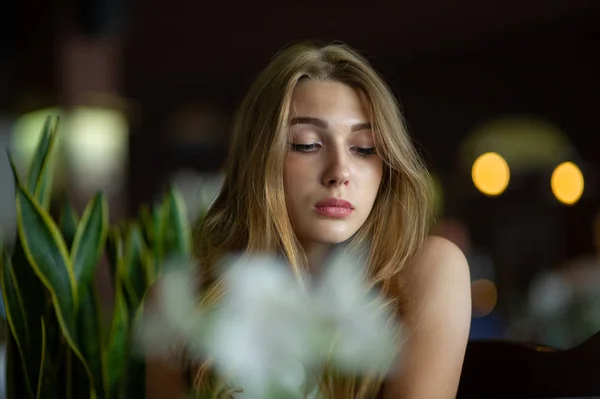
[441,246]
[443,253]
[439,265]
[436,291]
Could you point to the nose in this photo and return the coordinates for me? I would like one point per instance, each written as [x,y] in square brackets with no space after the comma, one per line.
[337,172]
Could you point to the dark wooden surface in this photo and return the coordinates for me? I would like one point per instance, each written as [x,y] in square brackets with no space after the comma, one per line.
[500,369]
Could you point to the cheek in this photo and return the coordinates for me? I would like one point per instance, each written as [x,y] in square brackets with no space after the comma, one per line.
[373,176]
[293,178]
[297,170]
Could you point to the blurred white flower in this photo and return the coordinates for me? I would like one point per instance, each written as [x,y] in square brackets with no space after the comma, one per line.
[272,333]
[362,336]
[261,335]
[173,317]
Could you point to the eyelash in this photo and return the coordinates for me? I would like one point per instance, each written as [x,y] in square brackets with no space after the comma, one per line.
[310,147]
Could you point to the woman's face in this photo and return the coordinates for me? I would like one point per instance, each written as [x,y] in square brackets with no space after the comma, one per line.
[332,172]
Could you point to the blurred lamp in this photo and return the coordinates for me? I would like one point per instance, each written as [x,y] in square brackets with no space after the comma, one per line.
[484,296]
[96,148]
[491,174]
[567,183]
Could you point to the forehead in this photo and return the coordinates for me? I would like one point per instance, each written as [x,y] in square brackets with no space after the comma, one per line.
[329,99]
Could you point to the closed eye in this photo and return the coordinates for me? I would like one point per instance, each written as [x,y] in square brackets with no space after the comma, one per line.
[365,151]
[304,147]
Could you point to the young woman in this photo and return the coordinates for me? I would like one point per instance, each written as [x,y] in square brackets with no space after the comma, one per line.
[321,156]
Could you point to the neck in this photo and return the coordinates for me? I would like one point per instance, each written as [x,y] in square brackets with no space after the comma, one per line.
[316,255]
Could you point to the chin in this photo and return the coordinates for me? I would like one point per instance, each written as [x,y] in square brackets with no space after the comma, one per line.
[327,232]
[332,237]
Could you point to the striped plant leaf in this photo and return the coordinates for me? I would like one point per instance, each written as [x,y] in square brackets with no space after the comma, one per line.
[89,242]
[68,223]
[178,236]
[146,222]
[35,302]
[133,271]
[114,249]
[39,157]
[43,193]
[51,349]
[39,387]
[116,351]
[158,236]
[17,387]
[149,265]
[15,172]
[40,173]
[78,384]
[90,336]
[88,245]
[47,254]
[17,321]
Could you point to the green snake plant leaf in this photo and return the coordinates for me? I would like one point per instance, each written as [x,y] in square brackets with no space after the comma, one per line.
[150,268]
[43,194]
[87,249]
[15,171]
[114,250]
[47,254]
[15,372]
[90,333]
[40,173]
[17,321]
[21,278]
[42,362]
[89,241]
[35,303]
[77,381]
[88,245]
[145,219]
[24,279]
[50,350]
[136,372]
[68,223]
[133,271]
[116,349]
[178,237]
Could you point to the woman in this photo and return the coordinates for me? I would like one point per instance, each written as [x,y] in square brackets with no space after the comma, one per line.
[320,156]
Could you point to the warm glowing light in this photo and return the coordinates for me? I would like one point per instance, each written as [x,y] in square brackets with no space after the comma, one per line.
[484,296]
[567,183]
[96,143]
[490,174]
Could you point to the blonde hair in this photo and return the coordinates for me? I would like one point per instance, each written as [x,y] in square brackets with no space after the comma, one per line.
[250,215]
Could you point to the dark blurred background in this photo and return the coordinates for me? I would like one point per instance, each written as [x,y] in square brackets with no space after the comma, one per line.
[146,91]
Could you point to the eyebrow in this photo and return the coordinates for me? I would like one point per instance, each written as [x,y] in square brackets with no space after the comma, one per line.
[309,120]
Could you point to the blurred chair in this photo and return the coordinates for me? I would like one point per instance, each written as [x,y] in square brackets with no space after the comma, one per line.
[502,369]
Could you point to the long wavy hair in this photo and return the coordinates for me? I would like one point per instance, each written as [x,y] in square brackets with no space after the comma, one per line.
[249,215]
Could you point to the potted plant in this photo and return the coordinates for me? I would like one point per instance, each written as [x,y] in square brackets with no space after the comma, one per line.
[60,344]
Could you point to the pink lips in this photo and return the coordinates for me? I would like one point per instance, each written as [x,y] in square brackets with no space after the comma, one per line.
[335,208]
